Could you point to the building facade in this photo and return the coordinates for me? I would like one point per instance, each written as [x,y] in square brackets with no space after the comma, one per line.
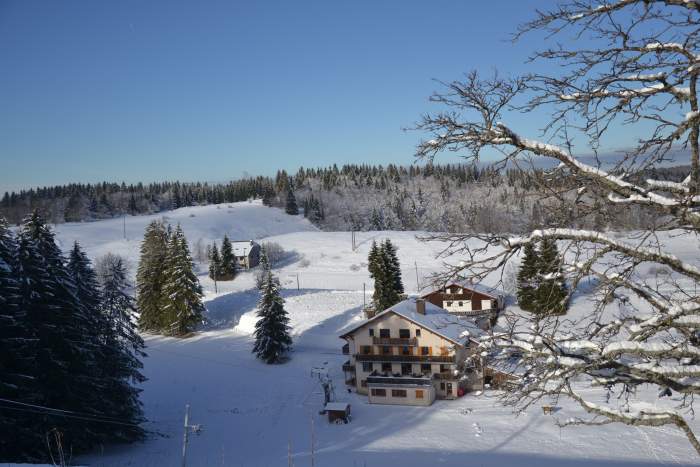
[247,253]
[411,354]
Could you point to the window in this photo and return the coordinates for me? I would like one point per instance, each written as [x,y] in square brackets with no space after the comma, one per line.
[363,383]
[386,350]
[378,392]
[398,393]
[404,333]
[442,386]
[459,304]
[385,333]
[448,303]
[366,349]
[419,393]
[386,367]
[425,350]
[367,367]
[405,350]
[417,332]
[426,368]
[371,332]
[406,368]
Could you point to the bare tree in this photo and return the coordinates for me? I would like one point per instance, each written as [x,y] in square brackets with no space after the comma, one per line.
[634,65]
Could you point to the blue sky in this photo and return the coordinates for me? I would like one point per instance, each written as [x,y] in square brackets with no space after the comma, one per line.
[206,90]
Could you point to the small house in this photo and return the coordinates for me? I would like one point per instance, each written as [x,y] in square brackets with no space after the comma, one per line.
[338,412]
[247,253]
[467,299]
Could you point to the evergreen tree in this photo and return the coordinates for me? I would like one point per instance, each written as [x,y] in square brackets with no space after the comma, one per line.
[291,207]
[272,338]
[126,350]
[150,276]
[393,264]
[551,294]
[66,353]
[385,269]
[373,259]
[182,305]
[18,439]
[214,263]
[227,269]
[527,276]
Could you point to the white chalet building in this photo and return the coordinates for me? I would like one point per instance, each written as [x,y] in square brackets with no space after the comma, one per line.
[412,353]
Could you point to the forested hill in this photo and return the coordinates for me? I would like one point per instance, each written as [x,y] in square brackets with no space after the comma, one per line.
[352,197]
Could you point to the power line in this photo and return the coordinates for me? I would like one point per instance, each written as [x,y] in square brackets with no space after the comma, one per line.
[40,409]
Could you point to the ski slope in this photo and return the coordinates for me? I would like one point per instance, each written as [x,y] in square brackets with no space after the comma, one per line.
[254,414]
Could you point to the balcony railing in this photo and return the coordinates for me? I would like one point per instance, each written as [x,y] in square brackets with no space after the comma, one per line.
[445,376]
[411,341]
[347,366]
[405,358]
[397,380]
[487,311]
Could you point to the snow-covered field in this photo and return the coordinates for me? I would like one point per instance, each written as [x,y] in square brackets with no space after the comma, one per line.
[252,413]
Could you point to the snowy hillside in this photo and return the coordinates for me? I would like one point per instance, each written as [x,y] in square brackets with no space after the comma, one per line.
[253,413]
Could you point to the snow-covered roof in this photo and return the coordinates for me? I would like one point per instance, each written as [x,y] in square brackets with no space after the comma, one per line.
[341,406]
[435,319]
[476,287]
[242,247]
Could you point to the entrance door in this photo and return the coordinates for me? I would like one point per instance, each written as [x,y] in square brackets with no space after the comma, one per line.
[448,389]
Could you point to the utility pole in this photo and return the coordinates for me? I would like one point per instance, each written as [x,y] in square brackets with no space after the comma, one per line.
[313,460]
[297,281]
[289,454]
[417,282]
[194,428]
[124,226]
[185,436]
[364,297]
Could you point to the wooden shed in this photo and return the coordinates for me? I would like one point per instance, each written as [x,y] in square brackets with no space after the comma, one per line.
[338,412]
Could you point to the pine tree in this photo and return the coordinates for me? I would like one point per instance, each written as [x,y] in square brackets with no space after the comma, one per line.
[150,276]
[227,269]
[291,207]
[551,293]
[527,276]
[17,437]
[65,350]
[214,263]
[393,264]
[373,259]
[272,338]
[126,351]
[182,304]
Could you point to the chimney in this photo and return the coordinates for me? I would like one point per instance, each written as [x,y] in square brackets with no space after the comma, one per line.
[420,306]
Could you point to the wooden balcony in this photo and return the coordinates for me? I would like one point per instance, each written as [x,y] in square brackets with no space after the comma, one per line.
[405,358]
[487,311]
[397,381]
[409,341]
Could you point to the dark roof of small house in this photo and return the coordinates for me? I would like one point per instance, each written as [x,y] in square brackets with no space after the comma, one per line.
[492,292]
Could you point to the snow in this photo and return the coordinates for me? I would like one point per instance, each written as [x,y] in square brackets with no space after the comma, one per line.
[251,412]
